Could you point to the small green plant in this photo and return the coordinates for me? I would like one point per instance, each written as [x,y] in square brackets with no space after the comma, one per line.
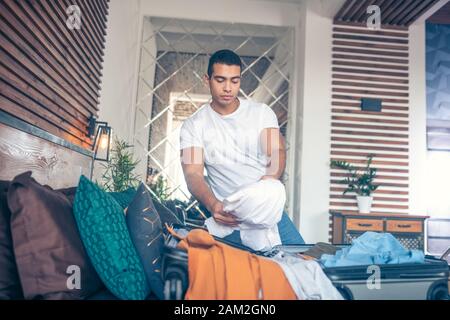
[358,181]
[160,189]
[119,171]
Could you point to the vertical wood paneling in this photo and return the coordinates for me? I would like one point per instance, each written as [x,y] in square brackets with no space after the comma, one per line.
[49,74]
[371,64]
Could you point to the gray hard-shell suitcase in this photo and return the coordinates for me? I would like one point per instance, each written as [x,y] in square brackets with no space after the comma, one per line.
[406,281]
[427,281]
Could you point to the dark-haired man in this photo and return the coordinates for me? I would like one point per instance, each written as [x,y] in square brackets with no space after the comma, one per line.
[237,141]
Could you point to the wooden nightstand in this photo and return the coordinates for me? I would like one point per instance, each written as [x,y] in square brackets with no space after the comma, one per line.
[408,229]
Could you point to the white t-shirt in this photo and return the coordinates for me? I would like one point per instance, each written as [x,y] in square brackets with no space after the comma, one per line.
[231,144]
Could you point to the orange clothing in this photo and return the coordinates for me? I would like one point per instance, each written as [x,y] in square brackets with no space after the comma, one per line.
[218,271]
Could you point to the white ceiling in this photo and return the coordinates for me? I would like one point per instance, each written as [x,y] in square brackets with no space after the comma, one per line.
[285,1]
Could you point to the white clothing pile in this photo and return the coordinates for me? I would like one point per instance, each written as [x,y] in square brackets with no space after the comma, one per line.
[307,278]
[259,207]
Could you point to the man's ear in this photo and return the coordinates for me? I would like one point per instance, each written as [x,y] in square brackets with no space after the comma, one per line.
[206,80]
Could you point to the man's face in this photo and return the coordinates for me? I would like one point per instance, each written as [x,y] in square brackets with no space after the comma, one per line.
[224,83]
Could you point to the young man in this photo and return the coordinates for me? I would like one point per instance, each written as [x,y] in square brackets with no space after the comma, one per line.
[237,141]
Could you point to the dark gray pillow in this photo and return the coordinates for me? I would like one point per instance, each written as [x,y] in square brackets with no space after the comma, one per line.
[167,215]
[144,225]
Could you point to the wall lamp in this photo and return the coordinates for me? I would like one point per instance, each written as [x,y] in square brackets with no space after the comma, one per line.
[102,140]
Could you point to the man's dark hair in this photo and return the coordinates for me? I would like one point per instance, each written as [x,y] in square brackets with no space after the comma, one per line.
[224,56]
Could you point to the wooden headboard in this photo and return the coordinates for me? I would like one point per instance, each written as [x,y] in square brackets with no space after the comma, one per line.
[52,160]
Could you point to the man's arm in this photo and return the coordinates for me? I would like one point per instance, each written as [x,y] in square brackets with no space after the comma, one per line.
[193,165]
[274,148]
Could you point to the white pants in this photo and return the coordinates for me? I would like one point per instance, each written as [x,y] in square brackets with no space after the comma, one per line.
[258,207]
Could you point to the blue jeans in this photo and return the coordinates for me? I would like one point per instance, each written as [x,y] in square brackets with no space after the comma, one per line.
[288,233]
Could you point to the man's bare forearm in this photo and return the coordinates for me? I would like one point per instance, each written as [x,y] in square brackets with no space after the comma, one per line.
[198,187]
[277,163]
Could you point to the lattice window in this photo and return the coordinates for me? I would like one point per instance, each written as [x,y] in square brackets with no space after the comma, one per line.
[174,57]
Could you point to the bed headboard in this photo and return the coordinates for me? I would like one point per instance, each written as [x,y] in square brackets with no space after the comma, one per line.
[52,160]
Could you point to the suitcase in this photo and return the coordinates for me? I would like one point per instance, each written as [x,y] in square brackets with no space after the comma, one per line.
[408,281]
[428,281]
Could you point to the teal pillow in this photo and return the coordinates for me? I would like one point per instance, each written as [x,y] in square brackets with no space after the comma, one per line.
[104,233]
[124,198]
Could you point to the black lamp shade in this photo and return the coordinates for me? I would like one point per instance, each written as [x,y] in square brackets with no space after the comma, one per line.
[102,138]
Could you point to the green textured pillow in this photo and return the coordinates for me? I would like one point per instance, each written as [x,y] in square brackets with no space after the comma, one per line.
[124,198]
[104,233]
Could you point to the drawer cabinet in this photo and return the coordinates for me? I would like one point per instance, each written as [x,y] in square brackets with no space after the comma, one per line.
[404,226]
[408,229]
[364,225]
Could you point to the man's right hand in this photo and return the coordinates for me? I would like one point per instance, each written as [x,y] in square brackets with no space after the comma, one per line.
[221,216]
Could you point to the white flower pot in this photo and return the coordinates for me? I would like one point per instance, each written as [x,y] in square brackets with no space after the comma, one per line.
[364,203]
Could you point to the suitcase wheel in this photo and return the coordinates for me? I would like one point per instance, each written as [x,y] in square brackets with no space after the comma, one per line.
[439,292]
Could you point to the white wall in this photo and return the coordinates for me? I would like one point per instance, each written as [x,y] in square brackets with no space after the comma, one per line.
[274,12]
[119,66]
[437,185]
[315,103]
[418,119]
[117,94]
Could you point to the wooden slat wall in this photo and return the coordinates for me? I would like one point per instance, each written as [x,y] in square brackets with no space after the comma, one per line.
[49,74]
[372,64]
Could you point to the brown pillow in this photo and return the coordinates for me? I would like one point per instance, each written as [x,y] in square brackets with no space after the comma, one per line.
[47,244]
[10,288]
[69,193]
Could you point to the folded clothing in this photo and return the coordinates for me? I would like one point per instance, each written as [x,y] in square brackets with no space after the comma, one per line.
[259,207]
[220,272]
[373,248]
[307,278]
[321,248]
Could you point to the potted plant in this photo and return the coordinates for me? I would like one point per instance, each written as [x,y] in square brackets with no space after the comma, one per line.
[359,181]
[118,175]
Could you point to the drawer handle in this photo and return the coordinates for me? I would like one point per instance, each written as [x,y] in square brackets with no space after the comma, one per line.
[365,224]
[404,226]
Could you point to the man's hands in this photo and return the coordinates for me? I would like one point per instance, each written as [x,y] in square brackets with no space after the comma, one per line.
[221,216]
